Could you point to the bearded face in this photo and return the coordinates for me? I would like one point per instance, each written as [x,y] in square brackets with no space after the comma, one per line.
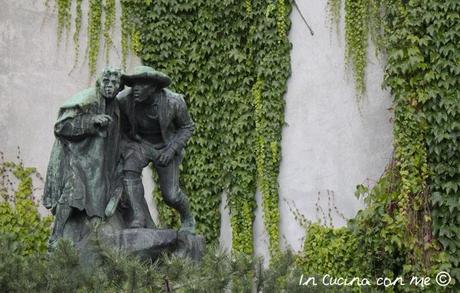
[110,85]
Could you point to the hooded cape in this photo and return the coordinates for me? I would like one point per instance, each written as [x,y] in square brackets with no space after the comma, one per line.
[85,165]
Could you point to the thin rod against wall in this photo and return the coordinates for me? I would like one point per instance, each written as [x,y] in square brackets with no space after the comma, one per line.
[303,18]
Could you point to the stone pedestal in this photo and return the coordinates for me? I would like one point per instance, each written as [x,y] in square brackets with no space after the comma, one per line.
[151,243]
[90,237]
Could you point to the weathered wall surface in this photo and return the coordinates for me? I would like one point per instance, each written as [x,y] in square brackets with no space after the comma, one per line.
[329,143]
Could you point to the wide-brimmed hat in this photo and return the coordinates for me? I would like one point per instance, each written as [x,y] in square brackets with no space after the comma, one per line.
[146,73]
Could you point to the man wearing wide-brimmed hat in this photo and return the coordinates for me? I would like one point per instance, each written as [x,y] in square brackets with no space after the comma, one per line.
[159,127]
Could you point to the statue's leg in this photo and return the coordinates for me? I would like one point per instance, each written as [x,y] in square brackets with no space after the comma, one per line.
[172,194]
[135,161]
[135,192]
[63,211]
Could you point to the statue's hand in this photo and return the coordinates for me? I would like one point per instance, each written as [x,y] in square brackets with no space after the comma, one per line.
[101,120]
[165,156]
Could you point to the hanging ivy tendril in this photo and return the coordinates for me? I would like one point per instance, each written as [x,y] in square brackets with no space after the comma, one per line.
[94,33]
[76,34]
[109,10]
[64,16]
[356,35]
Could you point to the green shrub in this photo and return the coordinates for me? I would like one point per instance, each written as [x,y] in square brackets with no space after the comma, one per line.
[379,242]
[62,271]
[19,215]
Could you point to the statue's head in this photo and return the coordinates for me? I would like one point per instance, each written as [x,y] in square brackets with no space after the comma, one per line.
[109,83]
[143,90]
[145,82]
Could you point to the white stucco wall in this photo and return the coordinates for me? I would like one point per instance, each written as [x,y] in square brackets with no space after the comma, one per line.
[329,143]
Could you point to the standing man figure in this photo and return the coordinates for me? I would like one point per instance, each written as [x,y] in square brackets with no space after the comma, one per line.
[85,166]
[159,127]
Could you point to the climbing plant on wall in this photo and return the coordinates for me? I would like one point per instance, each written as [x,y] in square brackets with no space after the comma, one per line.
[19,215]
[434,57]
[377,242]
[76,34]
[101,20]
[272,66]
[362,20]
[421,40]
[64,16]
[356,34]
[231,60]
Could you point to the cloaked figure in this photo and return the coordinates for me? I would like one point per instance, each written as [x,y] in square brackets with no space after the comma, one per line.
[85,167]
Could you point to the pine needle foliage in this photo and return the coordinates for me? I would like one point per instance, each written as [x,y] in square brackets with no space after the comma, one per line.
[62,271]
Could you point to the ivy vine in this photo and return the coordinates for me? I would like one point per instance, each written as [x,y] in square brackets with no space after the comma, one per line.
[217,42]
[125,33]
[94,33]
[101,20]
[377,242]
[356,35]
[437,84]
[19,215]
[420,40]
[423,77]
[64,16]
[109,12]
[333,10]
[76,34]
[362,19]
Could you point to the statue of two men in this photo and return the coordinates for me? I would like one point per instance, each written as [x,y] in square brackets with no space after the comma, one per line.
[105,136]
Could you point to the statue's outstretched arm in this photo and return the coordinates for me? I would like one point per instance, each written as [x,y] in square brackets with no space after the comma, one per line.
[76,127]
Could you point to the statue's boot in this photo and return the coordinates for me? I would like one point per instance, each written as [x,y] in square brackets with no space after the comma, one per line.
[52,242]
[186,218]
[188,224]
[135,192]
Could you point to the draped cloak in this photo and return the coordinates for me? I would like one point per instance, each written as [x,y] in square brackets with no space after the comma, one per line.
[85,165]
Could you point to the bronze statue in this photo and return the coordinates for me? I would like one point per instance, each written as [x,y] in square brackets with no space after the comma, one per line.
[104,138]
[159,128]
[85,164]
